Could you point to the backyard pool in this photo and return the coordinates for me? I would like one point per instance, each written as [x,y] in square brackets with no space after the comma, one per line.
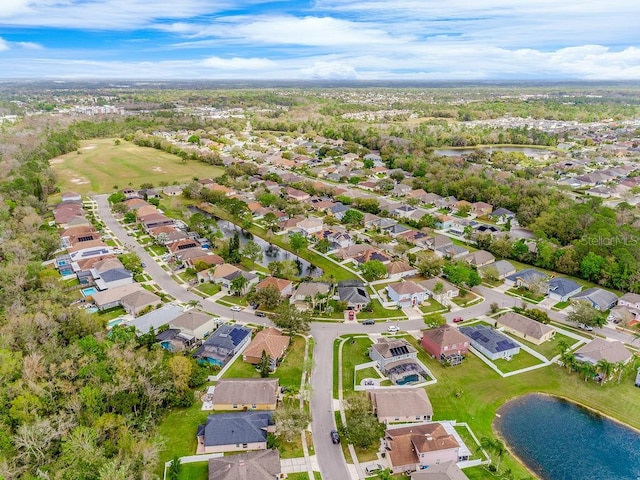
[87,292]
[92,309]
[114,322]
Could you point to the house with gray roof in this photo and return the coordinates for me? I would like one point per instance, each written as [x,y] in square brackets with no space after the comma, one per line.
[598,298]
[354,293]
[246,394]
[503,268]
[260,465]
[235,432]
[561,289]
[491,343]
[600,349]
[527,278]
[223,344]
[441,471]
[156,319]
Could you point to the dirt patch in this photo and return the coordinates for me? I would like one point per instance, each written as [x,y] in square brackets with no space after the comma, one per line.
[158,170]
[89,147]
[55,161]
[79,181]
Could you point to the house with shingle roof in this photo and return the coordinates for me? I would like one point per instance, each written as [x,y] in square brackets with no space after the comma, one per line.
[525,328]
[598,298]
[223,344]
[419,446]
[502,267]
[354,293]
[236,431]
[600,349]
[480,258]
[442,471]
[400,269]
[401,405]
[491,343]
[406,293]
[272,342]
[445,341]
[245,394]
[285,287]
[527,278]
[260,465]
[561,289]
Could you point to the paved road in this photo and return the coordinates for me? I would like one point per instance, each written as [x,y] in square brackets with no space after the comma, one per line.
[330,458]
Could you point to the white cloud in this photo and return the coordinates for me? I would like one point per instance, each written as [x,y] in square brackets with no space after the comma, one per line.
[330,70]
[6,45]
[3,45]
[238,64]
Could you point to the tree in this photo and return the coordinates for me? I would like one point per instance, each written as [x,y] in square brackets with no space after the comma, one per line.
[591,266]
[180,368]
[238,284]
[252,251]
[323,245]
[297,242]
[270,221]
[605,369]
[353,217]
[363,428]
[265,365]
[175,468]
[232,253]
[130,217]
[583,313]
[290,420]
[373,270]
[291,318]
[268,297]
[429,264]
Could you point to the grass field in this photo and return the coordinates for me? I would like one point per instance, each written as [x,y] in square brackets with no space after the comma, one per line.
[194,471]
[522,360]
[101,164]
[354,352]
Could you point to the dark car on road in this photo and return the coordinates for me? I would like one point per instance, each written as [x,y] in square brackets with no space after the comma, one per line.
[261,314]
[369,322]
[335,438]
[458,320]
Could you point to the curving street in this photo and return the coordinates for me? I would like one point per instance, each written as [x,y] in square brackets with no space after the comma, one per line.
[330,458]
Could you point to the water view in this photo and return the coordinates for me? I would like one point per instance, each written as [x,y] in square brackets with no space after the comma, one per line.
[559,440]
[270,253]
[528,151]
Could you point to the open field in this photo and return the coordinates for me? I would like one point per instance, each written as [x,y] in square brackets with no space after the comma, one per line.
[102,164]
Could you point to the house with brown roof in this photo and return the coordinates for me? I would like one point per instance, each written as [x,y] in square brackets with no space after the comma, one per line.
[246,394]
[260,465]
[401,405]
[400,269]
[525,328]
[479,258]
[481,208]
[195,323]
[295,194]
[445,342]
[285,287]
[449,290]
[442,471]
[420,446]
[601,349]
[155,220]
[183,244]
[133,298]
[269,340]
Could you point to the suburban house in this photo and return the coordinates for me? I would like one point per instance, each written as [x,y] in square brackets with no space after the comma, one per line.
[310,225]
[528,278]
[503,268]
[399,269]
[491,343]
[598,298]
[418,447]
[437,241]
[444,222]
[561,289]
[109,273]
[340,239]
[354,293]
[451,251]
[481,208]
[133,298]
[272,342]
[285,287]
[631,301]
[396,358]
[223,344]
[502,215]
[234,432]
[442,471]
[307,293]
[193,322]
[525,328]
[480,258]
[449,290]
[246,394]
[601,349]
[401,405]
[260,465]
[406,293]
[155,319]
[445,343]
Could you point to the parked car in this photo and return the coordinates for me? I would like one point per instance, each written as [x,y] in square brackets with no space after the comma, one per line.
[588,328]
[144,265]
[458,320]
[352,315]
[254,306]
[369,322]
[392,329]
[374,468]
[335,438]
[261,314]
[236,308]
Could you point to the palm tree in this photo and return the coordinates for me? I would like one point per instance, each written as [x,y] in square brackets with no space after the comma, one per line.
[499,449]
[605,369]
[587,369]
[487,447]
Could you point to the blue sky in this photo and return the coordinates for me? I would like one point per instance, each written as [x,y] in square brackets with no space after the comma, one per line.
[320,39]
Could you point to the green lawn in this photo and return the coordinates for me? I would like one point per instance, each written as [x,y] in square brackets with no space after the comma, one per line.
[103,165]
[521,360]
[380,312]
[336,370]
[432,306]
[525,294]
[207,289]
[368,372]
[551,348]
[482,392]
[561,305]
[465,299]
[354,352]
[289,372]
[157,249]
[194,471]
[111,313]
[242,301]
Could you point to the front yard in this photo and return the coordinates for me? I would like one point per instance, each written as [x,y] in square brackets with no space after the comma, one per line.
[354,352]
[525,294]
[466,299]
[521,360]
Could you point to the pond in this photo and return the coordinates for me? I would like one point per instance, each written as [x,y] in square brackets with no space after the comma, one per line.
[270,253]
[454,152]
[559,440]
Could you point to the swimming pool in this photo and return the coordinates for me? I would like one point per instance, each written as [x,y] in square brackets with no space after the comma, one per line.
[87,292]
[114,322]
[92,309]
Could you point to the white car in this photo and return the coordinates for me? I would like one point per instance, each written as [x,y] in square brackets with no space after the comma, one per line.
[392,329]
[236,308]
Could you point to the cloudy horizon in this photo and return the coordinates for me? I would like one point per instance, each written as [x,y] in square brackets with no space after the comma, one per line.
[319,40]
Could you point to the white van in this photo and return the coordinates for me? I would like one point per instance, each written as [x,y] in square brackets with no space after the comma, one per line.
[373,468]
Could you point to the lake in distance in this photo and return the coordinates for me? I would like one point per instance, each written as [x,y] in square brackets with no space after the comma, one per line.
[559,440]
